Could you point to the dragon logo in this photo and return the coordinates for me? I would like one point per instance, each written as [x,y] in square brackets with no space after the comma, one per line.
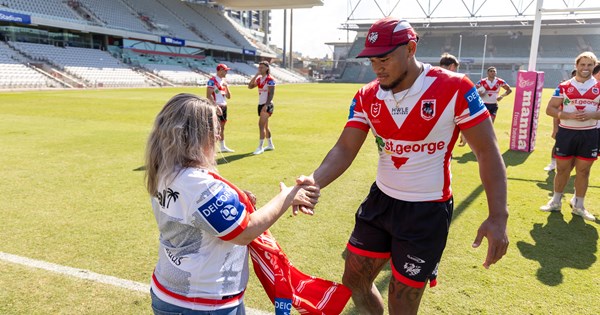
[372,38]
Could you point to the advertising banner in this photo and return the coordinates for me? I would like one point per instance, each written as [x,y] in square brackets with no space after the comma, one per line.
[15,17]
[526,111]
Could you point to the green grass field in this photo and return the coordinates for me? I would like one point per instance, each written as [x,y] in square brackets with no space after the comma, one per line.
[73,195]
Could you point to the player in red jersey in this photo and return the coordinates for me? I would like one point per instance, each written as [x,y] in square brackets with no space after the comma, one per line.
[415,111]
[266,90]
[489,88]
[575,103]
[217,90]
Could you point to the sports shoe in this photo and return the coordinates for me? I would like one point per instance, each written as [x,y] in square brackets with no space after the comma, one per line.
[258,151]
[551,206]
[582,212]
[550,167]
[226,149]
[270,147]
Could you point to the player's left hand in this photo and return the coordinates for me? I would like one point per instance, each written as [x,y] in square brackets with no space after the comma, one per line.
[499,98]
[494,229]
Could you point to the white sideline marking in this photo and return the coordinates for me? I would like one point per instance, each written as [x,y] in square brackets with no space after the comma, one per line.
[89,275]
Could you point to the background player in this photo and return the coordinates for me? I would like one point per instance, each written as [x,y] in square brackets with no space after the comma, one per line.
[217,90]
[489,88]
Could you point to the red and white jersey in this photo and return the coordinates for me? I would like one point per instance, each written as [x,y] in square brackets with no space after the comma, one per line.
[197,268]
[578,96]
[219,89]
[415,137]
[263,83]
[492,88]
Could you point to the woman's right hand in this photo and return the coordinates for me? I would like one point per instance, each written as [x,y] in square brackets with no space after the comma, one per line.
[306,196]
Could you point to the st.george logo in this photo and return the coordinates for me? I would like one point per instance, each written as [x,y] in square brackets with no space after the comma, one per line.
[372,38]
[428,109]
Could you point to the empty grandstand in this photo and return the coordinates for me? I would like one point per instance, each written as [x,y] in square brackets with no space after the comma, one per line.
[480,41]
[127,43]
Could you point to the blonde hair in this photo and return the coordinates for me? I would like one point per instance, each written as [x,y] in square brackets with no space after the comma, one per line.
[184,135]
[586,54]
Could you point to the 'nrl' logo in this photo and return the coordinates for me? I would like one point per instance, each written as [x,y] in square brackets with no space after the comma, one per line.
[373,37]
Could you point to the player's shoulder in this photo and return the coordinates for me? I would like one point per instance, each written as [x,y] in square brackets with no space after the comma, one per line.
[371,87]
[442,73]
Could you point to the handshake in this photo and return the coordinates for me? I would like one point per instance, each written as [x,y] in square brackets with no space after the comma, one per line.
[309,196]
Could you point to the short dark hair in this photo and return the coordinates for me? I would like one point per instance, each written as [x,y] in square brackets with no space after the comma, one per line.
[491,68]
[596,69]
[447,60]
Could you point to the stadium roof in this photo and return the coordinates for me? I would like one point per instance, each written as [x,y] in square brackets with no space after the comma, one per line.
[269,4]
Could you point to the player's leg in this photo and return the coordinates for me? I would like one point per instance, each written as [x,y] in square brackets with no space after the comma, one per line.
[368,250]
[404,299]
[359,276]
[262,122]
[420,233]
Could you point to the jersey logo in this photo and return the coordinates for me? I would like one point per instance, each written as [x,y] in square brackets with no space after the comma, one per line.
[427,109]
[229,212]
[375,109]
[399,161]
[570,89]
[165,197]
[595,90]
[373,37]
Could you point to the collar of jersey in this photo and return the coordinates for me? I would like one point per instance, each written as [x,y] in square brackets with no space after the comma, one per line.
[583,85]
[413,90]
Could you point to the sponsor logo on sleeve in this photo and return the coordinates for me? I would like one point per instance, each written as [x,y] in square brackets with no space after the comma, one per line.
[556,92]
[223,208]
[352,105]
[474,100]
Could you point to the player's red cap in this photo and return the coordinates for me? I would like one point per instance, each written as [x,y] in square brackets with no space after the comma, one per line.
[385,35]
[222,66]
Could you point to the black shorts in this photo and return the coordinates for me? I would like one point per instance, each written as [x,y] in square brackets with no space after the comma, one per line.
[223,116]
[413,234]
[582,144]
[492,108]
[270,108]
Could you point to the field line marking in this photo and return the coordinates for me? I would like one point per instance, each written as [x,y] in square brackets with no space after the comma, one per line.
[89,275]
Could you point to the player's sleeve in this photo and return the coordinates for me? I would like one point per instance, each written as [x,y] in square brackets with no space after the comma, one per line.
[271,82]
[357,117]
[558,93]
[210,84]
[220,210]
[478,85]
[469,110]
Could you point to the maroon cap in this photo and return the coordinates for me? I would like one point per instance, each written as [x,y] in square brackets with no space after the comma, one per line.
[385,35]
[222,66]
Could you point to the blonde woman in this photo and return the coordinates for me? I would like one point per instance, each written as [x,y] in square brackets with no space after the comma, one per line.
[205,222]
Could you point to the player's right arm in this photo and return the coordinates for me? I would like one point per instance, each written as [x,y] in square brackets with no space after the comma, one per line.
[209,93]
[554,108]
[252,83]
[340,157]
